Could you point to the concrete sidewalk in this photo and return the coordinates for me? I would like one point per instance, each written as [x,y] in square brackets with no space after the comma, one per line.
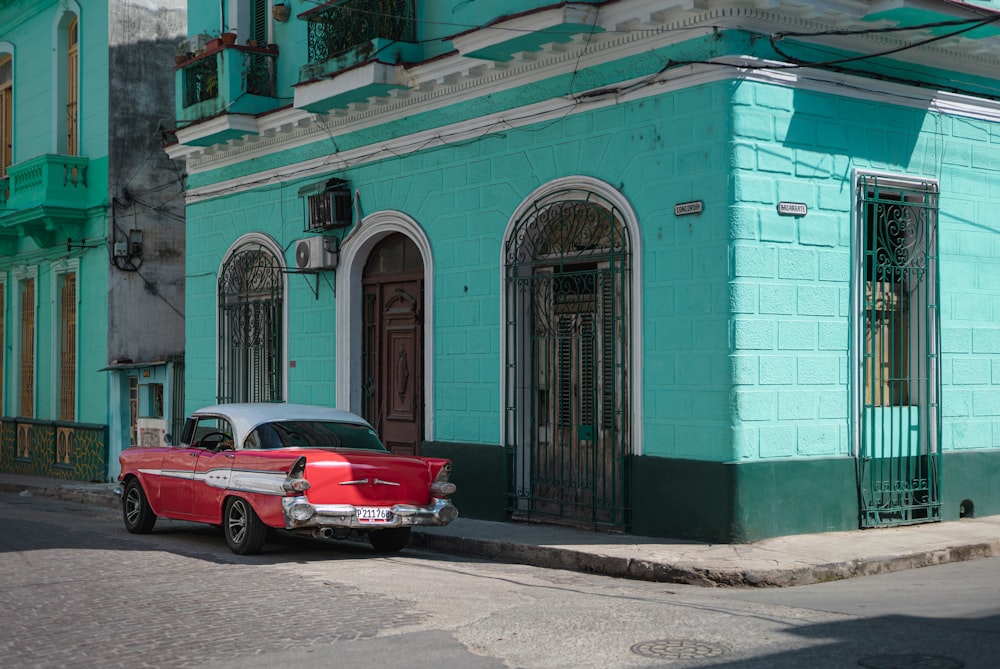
[782,561]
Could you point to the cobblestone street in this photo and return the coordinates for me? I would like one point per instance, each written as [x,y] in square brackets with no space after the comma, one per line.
[91,595]
[76,590]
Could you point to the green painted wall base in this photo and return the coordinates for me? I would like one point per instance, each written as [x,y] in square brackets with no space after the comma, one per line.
[54,449]
[970,484]
[480,474]
[730,502]
[742,502]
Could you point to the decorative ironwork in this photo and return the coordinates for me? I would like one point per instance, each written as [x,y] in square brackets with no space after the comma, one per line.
[338,28]
[260,74]
[201,80]
[250,313]
[567,269]
[900,421]
[566,229]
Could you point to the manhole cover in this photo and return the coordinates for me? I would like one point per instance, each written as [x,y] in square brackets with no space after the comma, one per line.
[678,649]
[912,661]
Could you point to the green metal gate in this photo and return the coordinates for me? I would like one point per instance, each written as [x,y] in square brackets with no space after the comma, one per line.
[566,362]
[900,419]
[250,311]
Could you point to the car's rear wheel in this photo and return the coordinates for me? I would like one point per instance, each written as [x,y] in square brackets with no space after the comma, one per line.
[389,541]
[136,512]
[245,534]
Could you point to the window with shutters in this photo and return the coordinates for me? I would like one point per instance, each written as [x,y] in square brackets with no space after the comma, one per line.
[66,286]
[258,21]
[6,114]
[72,88]
[26,297]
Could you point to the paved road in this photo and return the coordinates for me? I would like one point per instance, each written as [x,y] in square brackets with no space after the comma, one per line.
[78,591]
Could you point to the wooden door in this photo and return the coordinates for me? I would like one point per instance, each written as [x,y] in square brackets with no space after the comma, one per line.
[393,344]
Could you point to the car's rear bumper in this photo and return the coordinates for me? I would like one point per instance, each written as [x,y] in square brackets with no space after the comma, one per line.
[299,513]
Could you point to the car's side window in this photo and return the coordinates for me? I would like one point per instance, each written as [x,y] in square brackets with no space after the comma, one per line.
[264,437]
[213,433]
[187,434]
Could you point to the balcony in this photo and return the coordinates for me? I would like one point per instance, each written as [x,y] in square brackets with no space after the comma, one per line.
[356,50]
[531,32]
[45,198]
[220,90]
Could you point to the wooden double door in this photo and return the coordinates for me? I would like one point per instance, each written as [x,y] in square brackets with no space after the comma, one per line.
[393,351]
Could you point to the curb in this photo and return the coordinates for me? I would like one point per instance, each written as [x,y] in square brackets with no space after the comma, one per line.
[646,570]
[67,492]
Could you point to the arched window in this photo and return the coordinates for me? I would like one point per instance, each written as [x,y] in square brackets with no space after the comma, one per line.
[72,88]
[251,289]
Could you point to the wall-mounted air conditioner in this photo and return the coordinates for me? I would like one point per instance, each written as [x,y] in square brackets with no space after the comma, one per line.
[316,253]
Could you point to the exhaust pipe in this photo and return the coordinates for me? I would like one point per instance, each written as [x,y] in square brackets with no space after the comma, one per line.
[323,532]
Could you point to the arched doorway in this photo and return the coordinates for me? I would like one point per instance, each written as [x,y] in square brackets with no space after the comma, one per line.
[251,307]
[567,360]
[392,356]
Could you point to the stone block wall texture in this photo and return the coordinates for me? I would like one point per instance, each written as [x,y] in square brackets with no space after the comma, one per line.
[747,316]
[791,276]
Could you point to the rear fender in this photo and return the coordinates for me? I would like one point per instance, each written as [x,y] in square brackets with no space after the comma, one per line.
[267,508]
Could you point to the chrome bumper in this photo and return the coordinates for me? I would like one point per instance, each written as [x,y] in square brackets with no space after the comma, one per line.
[300,513]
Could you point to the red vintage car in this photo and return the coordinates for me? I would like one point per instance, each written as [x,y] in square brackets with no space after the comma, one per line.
[306,469]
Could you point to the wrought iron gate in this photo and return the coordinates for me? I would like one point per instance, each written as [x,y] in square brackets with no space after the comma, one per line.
[566,361]
[900,448]
[250,312]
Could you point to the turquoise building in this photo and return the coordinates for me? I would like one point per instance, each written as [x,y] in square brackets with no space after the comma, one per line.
[717,271]
[91,234]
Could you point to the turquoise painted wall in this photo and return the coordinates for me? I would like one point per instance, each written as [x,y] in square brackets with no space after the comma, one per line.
[30,28]
[661,151]
[791,276]
[747,319]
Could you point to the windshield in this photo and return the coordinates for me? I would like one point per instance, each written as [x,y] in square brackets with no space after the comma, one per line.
[313,434]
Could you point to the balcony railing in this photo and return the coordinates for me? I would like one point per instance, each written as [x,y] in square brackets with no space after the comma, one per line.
[334,29]
[48,180]
[46,198]
[233,79]
[201,80]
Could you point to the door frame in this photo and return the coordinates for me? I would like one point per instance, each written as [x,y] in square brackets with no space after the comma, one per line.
[354,252]
[629,220]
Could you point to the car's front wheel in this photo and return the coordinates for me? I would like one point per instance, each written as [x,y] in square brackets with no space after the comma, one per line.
[136,512]
[389,541]
[245,534]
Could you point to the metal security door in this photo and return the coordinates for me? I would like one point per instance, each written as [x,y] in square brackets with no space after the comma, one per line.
[900,447]
[566,362]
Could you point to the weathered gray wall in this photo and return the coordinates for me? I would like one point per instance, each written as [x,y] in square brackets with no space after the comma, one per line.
[146,295]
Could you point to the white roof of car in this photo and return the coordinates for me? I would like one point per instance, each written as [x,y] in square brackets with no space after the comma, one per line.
[246,416]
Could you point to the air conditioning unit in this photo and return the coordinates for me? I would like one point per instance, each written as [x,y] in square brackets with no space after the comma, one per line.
[315,253]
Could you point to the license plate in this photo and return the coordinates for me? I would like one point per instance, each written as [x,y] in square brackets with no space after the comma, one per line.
[373,514]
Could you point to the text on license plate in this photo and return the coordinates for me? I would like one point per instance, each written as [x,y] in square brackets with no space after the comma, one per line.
[373,514]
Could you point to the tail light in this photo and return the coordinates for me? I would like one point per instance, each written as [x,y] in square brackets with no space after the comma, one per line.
[442,487]
[295,481]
